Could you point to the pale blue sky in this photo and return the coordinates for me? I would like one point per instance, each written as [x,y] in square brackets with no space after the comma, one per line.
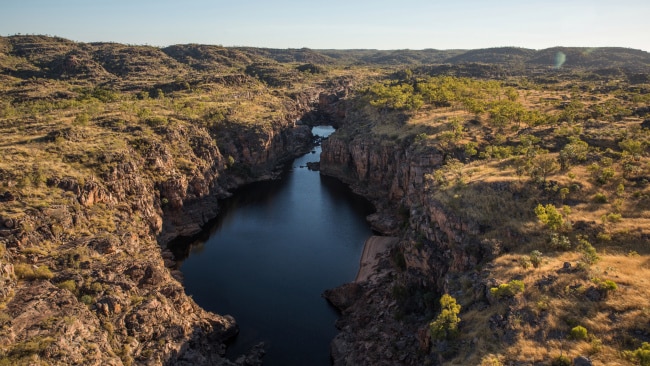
[380,24]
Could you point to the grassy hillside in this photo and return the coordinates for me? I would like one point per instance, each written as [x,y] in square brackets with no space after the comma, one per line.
[555,177]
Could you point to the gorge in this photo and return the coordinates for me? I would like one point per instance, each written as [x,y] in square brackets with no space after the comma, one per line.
[517,189]
[273,249]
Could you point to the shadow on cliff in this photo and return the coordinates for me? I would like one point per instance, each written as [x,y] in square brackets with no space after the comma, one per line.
[210,350]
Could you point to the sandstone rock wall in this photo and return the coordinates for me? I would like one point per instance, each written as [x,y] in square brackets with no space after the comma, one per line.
[109,296]
[393,177]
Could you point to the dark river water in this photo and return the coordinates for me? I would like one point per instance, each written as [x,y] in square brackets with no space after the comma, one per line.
[270,254]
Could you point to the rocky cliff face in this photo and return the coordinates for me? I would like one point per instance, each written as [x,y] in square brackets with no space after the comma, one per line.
[393,177]
[95,296]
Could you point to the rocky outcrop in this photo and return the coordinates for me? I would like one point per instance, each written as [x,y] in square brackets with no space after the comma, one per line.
[376,168]
[95,287]
[434,245]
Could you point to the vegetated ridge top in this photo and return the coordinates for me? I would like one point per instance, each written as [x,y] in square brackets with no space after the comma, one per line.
[49,52]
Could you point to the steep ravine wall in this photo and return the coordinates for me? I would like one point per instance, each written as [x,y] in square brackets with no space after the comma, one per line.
[393,177]
[113,298]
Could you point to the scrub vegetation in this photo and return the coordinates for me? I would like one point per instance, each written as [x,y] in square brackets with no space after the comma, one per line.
[551,164]
[556,170]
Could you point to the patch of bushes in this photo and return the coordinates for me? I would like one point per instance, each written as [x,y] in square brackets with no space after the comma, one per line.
[601,175]
[509,289]
[559,242]
[640,355]
[96,287]
[35,346]
[28,272]
[612,217]
[573,152]
[496,152]
[607,285]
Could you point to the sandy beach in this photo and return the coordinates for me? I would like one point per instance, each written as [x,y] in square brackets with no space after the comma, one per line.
[373,246]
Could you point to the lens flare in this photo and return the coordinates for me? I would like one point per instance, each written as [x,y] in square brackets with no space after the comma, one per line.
[560,59]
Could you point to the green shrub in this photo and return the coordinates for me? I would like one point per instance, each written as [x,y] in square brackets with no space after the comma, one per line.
[446,324]
[536,258]
[601,174]
[496,152]
[579,333]
[605,286]
[551,217]
[96,287]
[28,272]
[81,119]
[524,261]
[632,147]
[589,254]
[87,299]
[559,242]
[231,161]
[397,97]
[561,360]
[596,345]
[600,198]
[642,354]
[69,285]
[612,217]
[509,289]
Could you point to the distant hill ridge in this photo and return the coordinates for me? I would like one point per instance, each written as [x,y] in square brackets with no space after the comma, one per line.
[45,56]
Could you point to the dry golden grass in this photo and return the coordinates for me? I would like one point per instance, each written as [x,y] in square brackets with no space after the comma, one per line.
[560,307]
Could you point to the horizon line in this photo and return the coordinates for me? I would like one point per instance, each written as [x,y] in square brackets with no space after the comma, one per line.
[322,49]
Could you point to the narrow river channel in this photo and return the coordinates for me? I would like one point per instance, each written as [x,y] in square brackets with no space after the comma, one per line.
[269,255]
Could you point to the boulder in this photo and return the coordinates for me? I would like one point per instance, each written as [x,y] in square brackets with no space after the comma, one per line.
[582,361]
[344,296]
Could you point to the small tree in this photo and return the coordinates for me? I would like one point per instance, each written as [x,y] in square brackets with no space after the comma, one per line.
[446,324]
[542,166]
[589,254]
[573,152]
[551,217]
